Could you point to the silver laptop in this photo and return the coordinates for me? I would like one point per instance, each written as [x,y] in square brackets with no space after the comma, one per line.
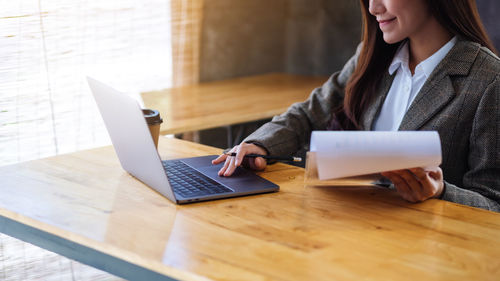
[182,180]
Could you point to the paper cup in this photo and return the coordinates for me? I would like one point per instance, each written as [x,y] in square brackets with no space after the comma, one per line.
[154,121]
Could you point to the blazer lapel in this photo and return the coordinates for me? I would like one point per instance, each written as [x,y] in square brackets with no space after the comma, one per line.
[433,97]
[438,89]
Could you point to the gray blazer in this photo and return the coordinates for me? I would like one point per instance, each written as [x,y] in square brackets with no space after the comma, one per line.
[460,100]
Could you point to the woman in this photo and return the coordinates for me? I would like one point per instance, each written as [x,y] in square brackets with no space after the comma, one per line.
[422,65]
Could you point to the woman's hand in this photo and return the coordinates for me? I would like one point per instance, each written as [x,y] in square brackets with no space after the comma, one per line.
[417,185]
[257,163]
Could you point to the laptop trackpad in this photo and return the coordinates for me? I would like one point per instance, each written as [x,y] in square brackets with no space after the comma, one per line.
[241,179]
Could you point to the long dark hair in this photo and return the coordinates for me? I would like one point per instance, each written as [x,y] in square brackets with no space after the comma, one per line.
[459,17]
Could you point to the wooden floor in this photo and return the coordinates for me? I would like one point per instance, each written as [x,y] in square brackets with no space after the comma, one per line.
[23,261]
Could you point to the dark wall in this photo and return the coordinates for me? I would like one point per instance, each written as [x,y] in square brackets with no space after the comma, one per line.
[489,11]
[321,35]
[242,37]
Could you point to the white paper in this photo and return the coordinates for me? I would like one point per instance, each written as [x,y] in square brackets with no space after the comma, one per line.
[352,153]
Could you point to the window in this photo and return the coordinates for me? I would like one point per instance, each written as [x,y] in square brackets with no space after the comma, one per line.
[48,47]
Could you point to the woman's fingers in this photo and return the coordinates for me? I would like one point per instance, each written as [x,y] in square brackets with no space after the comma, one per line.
[223,157]
[219,159]
[416,184]
[232,166]
[258,163]
[240,154]
[422,176]
[232,162]
[436,174]
[432,181]
[419,173]
[225,166]
[400,185]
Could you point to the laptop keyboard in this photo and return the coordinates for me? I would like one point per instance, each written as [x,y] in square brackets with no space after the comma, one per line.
[188,182]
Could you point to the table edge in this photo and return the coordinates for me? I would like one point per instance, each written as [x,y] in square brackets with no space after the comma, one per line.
[85,254]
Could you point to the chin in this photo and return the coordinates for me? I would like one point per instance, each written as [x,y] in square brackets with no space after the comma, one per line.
[391,39]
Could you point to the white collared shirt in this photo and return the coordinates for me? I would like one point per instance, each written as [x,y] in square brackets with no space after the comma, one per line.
[405,87]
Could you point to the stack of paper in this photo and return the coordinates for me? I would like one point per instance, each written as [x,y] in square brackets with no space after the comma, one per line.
[352,153]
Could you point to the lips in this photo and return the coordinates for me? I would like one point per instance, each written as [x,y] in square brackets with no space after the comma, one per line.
[385,22]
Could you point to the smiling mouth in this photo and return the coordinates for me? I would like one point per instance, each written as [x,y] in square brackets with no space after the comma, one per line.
[385,22]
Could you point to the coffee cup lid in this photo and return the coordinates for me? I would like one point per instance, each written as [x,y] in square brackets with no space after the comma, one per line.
[152,116]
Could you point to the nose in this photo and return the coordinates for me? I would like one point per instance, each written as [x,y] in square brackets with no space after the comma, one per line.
[376,7]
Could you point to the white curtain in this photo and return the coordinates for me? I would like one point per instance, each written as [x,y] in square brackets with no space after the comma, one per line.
[48,47]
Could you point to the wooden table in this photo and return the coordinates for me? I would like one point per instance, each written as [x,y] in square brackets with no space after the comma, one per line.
[84,206]
[228,102]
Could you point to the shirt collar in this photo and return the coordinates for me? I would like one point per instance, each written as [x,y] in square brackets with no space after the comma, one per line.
[402,57]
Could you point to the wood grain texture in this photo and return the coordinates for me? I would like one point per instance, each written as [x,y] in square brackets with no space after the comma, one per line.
[300,233]
[227,102]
